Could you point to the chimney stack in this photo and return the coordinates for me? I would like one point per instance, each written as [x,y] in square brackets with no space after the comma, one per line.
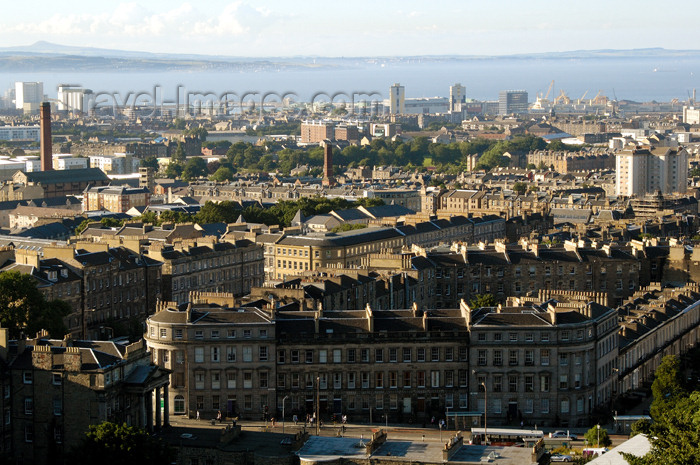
[46,148]
[327,163]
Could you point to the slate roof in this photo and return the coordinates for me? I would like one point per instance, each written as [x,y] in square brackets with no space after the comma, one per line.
[61,176]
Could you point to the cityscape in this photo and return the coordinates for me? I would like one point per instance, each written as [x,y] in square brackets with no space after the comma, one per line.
[438,239]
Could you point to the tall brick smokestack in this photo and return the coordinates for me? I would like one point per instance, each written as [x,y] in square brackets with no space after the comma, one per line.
[327,164]
[46,148]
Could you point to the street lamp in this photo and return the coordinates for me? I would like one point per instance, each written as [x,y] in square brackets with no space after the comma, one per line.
[486,406]
[283,399]
[598,444]
[318,407]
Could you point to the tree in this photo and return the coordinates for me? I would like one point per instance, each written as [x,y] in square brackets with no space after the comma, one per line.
[179,154]
[198,132]
[23,308]
[195,167]
[642,426]
[593,435]
[483,300]
[112,444]
[150,162]
[222,174]
[173,170]
[667,385]
[520,188]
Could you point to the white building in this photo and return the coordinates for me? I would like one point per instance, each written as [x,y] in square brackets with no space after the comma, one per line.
[28,95]
[119,163]
[73,99]
[20,133]
[397,99]
[642,170]
[691,115]
[66,161]
[458,98]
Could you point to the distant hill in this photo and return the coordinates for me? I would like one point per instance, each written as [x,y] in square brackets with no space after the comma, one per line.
[47,56]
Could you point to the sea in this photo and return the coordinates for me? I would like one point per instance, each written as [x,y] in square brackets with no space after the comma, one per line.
[641,79]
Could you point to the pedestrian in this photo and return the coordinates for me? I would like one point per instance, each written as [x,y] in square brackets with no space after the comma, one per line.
[345,419]
[218,416]
[197,414]
[295,419]
[432,421]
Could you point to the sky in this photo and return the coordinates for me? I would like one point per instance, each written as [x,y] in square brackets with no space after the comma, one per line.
[353,28]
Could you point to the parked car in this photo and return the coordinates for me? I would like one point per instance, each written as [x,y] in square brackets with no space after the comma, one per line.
[560,458]
[563,435]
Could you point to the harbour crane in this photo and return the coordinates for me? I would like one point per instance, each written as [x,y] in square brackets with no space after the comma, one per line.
[582,97]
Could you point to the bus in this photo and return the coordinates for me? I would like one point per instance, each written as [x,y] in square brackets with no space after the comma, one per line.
[507,437]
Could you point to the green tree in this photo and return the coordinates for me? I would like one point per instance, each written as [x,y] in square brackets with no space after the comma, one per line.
[150,162]
[112,444]
[194,168]
[594,434]
[483,300]
[667,385]
[23,308]
[173,170]
[520,187]
[198,132]
[179,154]
[642,426]
[222,174]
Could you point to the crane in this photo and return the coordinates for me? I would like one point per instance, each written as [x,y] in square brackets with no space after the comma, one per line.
[562,98]
[551,84]
[582,97]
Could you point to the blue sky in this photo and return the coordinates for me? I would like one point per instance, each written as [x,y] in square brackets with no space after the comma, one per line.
[358,28]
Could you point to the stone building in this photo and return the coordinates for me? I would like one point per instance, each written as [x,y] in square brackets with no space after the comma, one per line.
[58,388]
[207,265]
[222,358]
[116,199]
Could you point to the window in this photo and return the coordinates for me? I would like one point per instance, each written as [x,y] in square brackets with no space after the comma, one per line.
[544,357]
[406,379]
[262,377]
[247,353]
[364,355]
[28,405]
[199,355]
[513,337]
[231,354]
[28,434]
[462,354]
[393,355]
[544,383]
[497,383]
[295,381]
[449,354]
[512,383]
[563,381]
[262,353]
[262,333]
[215,334]
[564,406]
[544,405]
[351,355]
[420,354]
[199,380]
[178,334]
[365,380]
[420,378]
[56,379]
[435,378]
[563,360]
[231,334]
[529,383]
[407,354]
[351,380]
[247,380]
[379,402]
[215,380]
[247,333]
[512,357]
[337,381]
[295,356]
[481,357]
[449,378]
[336,355]
[379,355]
[498,357]
[498,337]
[435,354]
[393,379]
[544,337]
[27,377]
[378,380]
[215,354]
[564,335]
[163,333]
[529,357]
[231,380]
[199,334]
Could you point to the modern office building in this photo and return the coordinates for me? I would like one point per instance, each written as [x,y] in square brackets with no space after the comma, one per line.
[458,98]
[691,115]
[512,102]
[643,170]
[397,99]
[28,95]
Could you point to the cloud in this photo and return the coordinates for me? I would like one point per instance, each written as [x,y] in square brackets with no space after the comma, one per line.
[134,20]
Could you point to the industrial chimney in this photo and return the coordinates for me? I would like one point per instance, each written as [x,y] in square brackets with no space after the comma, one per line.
[327,163]
[46,148]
